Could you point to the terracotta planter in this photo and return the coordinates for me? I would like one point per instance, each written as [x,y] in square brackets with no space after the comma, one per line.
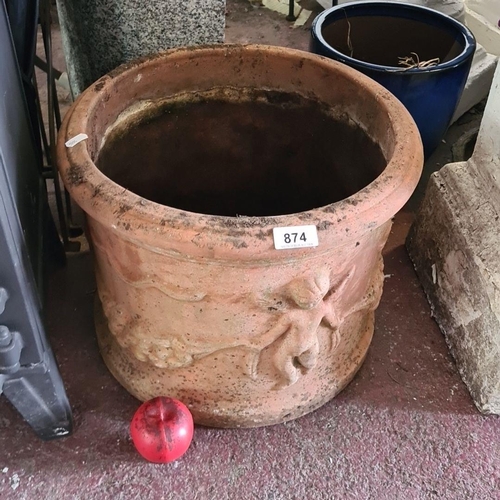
[194,301]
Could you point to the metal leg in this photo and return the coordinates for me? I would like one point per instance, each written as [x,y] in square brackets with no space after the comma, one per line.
[40,398]
[291,11]
[45,23]
[67,229]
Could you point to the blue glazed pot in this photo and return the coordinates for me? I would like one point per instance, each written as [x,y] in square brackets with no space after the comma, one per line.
[372,36]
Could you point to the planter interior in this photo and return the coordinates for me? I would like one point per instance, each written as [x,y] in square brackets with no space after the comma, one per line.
[234,153]
[401,37]
[193,157]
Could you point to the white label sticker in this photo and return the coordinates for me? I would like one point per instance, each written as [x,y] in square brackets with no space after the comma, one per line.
[78,138]
[295,237]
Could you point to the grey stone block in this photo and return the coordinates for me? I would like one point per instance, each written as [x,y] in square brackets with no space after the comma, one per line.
[99,35]
[455,247]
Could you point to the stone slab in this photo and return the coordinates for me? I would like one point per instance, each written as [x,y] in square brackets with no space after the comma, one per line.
[482,17]
[99,35]
[478,83]
[455,247]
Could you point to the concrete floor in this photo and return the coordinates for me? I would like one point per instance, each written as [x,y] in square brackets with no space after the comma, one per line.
[405,428]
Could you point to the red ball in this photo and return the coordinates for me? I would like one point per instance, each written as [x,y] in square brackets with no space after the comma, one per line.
[162,429]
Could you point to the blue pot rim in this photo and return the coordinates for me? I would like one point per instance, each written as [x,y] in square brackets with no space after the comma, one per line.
[395,9]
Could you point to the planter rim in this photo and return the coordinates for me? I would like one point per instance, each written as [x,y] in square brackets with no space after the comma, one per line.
[395,9]
[187,234]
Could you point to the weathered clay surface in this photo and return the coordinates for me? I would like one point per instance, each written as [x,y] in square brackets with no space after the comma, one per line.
[202,307]
[454,247]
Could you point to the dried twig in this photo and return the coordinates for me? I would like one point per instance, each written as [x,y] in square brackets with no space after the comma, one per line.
[413,61]
[393,378]
[401,366]
[349,41]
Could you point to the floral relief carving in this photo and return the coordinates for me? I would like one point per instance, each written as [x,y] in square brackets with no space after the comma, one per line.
[131,332]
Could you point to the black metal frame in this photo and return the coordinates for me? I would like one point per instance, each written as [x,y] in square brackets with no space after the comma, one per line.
[29,376]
